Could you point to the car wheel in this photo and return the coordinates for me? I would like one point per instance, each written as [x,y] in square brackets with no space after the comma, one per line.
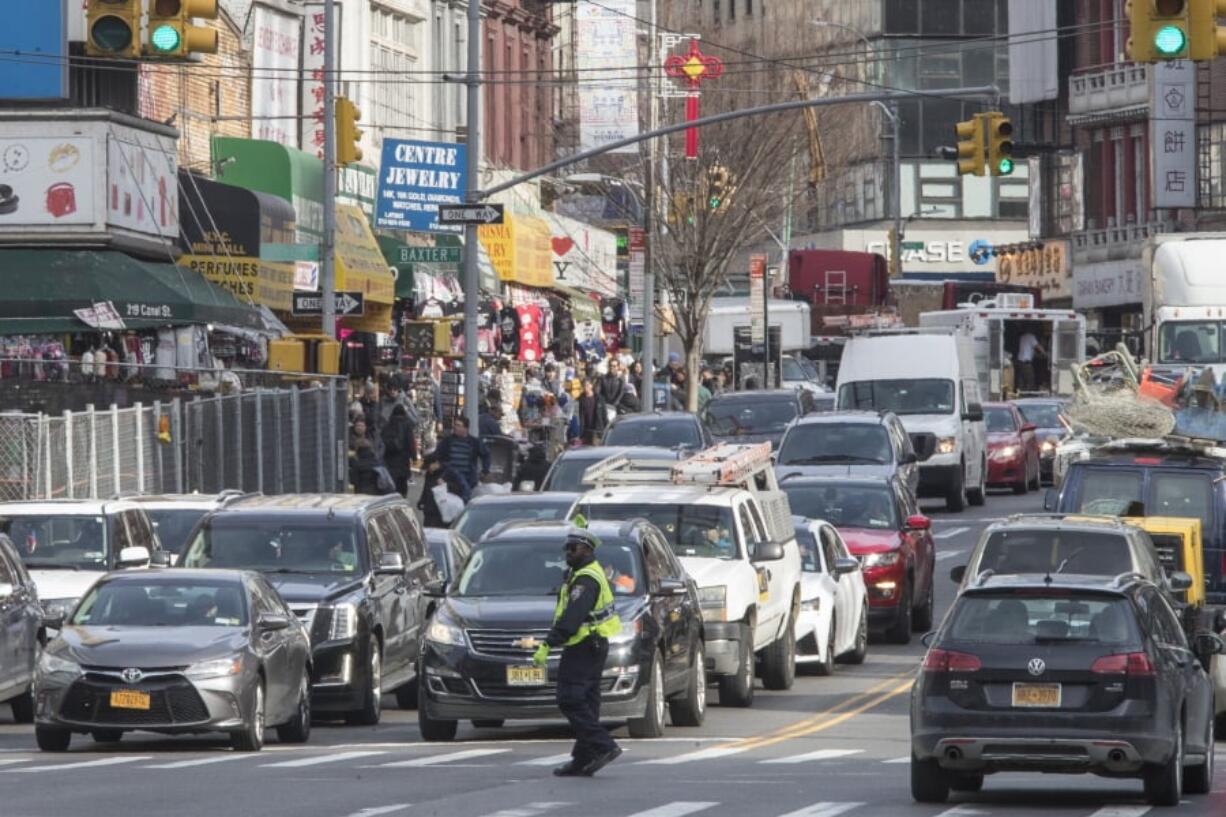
[690,709]
[52,738]
[955,498]
[298,728]
[1164,784]
[1022,485]
[406,696]
[921,620]
[491,723]
[106,735]
[1037,483]
[251,738]
[651,725]
[1198,778]
[1219,726]
[737,690]
[929,782]
[826,666]
[23,707]
[779,659]
[372,706]
[978,496]
[900,631]
[968,782]
[860,651]
[432,730]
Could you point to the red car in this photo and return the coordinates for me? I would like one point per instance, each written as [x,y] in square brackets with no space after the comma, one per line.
[882,526]
[1013,448]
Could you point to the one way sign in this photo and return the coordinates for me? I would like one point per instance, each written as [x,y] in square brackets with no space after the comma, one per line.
[312,303]
[470,214]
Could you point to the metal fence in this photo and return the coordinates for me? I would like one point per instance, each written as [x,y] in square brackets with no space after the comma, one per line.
[275,440]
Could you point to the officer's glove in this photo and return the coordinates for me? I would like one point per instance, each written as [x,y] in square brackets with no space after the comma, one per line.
[541,657]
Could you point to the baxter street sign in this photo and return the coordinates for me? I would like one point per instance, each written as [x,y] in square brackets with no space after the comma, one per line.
[312,303]
[470,214]
[431,255]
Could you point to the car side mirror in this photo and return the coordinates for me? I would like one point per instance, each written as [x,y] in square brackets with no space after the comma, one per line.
[1051,499]
[160,558]
[1207,644]
[973,413]
[909,458]
[767,552]
[928,638]
[671,587]
[918,522]
[271,622]
[53,621]
[6,590]
[957,574]
[436,588]
[1029,427]
[137,556]
[1179,580]
[844,565]
[390,564]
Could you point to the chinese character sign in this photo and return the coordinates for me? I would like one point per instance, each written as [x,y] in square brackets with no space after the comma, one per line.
[313,77]
[1172,134]
[606,51]
[274,80]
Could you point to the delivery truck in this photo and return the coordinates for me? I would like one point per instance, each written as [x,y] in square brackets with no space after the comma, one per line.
[1183,300]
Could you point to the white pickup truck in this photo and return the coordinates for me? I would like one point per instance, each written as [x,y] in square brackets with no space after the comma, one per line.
[725,517]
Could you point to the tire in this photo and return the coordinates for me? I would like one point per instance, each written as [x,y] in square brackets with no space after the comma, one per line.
[970,782]
[372,697]
[921,618]
[955,497]
[779,659]
[978,496]
[432,729]
[106,735]
[1022,487]
[1164,784]
[406,696]
[929,782]
[1038,477]
[860,651]
[900,630]
[298,728]
[737,690]
[52,738]
[1198,779]
[23,707]
[825,668]
[492,723]
[251,738]
[1219,726]
[690,708]
[651,725]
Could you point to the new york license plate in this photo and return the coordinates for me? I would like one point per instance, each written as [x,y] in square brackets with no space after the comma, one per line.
[1036,695]
[525,676]
[129,699]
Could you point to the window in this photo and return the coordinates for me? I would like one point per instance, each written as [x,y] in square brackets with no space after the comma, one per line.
[374,543]
[731,9]
[657,564]
[139,530]
[392,536]
[1021,619]
[1189,342]
[716,10]
[1164,626]
[999,418]
[407,522]
[748,8]
[758,526]
[902,16]
[7,575]
[1109,490]
[830,548]
[1181,494]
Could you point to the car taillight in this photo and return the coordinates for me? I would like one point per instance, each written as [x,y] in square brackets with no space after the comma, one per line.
[1127,663]
[951,661]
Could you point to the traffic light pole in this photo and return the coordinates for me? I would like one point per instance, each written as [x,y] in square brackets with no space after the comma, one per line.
[327,255]
[472,195]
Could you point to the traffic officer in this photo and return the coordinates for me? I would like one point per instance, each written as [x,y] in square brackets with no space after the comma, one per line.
[583,622]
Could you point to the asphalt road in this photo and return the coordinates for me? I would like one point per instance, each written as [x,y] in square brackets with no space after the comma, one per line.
[830,746]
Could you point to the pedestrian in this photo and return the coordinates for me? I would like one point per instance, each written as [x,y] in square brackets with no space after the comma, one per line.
[487,421]
[1027,346]
[583,621]
[612,389]
[550,382]
[400,448]
[370,407]
[704,392]
[591,414]
[432,474]
[678,397]
[465,455]
[364,469]
[636,376]
[533,470]
[357,433]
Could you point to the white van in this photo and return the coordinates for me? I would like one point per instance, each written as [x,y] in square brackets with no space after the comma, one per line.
[929,380]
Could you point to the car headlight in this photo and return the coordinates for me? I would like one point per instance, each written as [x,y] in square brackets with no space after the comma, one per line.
[51,664]
[886,558]
[1006,452]
[215,668]
[1048,446]
[713,601]
[812,605]
[444,632]
[59,607]
[629,631]
[947,445]
[344,622]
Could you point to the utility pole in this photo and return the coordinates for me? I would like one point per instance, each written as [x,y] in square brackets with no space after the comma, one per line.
[327,256]
[647,400]
[472,195]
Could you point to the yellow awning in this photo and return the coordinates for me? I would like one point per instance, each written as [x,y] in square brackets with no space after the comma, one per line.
[360,266]
[519,250]
[267,283]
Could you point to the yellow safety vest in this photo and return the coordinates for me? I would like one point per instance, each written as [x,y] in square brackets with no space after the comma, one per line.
[603,619]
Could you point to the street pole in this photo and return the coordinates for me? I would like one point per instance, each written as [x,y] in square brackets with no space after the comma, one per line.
[891,111]
[327,256]
[647,400]
[472,286]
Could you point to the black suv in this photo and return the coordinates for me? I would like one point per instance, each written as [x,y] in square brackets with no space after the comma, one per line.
[351,567]
[755,416]
[1063,674]
[660,429]
[477,659]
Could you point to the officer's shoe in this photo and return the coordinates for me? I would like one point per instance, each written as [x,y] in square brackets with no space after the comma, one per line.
[601,761]
[571,768]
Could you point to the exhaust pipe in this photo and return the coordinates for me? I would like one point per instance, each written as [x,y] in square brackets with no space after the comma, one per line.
[953,753]
[1116,756]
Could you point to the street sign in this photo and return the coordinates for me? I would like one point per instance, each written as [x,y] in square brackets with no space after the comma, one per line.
[312,303]
[430,255]
[757,298]
[470,214]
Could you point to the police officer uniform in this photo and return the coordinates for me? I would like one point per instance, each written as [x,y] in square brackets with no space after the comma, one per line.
[583,622]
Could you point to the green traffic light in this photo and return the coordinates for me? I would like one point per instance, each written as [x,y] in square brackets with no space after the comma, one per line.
[714,202]
[1170,41]
[165,38]
[111,34]
[1005,167]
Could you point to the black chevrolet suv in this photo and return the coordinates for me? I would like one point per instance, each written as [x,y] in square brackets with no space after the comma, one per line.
[1057,673]
[351,567]
[477,658]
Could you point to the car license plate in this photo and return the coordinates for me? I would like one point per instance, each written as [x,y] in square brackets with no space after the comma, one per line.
[129,699]
[1044,695]
[525,676]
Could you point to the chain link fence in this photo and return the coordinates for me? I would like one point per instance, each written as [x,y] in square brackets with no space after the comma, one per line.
[272,440]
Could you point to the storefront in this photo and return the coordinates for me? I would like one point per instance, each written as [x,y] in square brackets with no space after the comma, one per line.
[1109,293]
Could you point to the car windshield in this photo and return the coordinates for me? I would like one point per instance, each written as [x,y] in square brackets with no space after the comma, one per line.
[845,506]
[899,396]
[1043,415]
[174,525]
[835,443]
[823,403]
[538,568]
[438,552]
[731,418]
[1110,491]
[692,530]
[792,370]
[477,518]
[808,368]
[1056,551]
[275,546]
[999,419]
[1189,342]
[1041,617]
[654,431]
[810,561]
[59,542]
[163,602]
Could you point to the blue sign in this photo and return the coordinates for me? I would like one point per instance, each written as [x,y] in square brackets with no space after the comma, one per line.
[414,179]
[980,251]
[34,52]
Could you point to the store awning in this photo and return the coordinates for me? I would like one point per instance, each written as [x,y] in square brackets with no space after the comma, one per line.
[43,290]
[582,307]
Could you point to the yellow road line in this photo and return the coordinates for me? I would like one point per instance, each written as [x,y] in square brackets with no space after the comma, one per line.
[837,719]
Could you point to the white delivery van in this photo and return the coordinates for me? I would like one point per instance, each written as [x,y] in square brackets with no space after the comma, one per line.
[929,380]
[726,314]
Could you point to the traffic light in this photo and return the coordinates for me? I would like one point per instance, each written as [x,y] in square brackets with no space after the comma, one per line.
[348,134]
[718,188]
[971,149]
[1000,143]
[171,33]
[680,209]
[1206,38]
[1159,30]
[113,28]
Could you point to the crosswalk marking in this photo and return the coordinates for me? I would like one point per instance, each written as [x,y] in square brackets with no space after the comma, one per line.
[946,534]
[374,811]
[690,757]
[948,554]
[1122,811]
[820,754]
[680,808]
[898,760]
[200,761]
[549,760]
[530,810]
[435,760]
[84,764]
[317,761]
[823,809]
[8,761]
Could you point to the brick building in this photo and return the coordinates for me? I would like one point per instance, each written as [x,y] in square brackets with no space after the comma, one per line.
[517,56]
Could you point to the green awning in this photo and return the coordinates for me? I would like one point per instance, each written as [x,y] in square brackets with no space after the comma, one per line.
[42,289]
[582,307]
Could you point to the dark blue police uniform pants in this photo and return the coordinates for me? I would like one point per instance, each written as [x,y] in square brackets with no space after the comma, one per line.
[579,697]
